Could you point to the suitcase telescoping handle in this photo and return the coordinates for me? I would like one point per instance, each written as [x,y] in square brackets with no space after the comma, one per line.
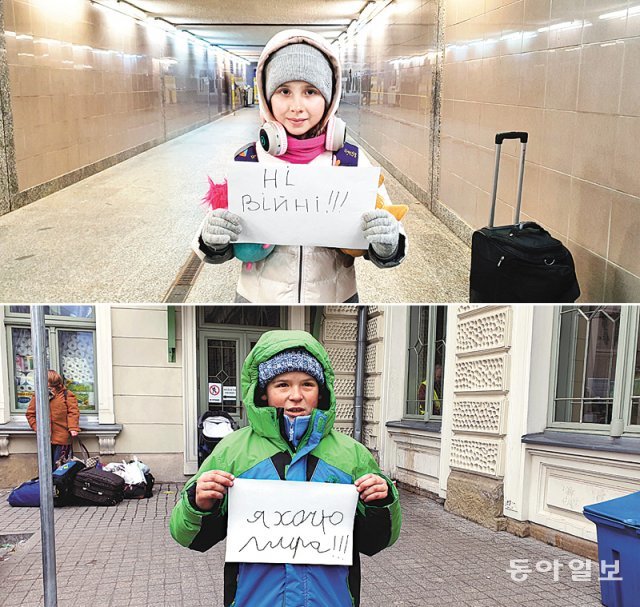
[500,137]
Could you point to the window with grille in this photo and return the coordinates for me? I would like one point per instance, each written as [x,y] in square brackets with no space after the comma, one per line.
[243,316]
[70,340]
[597,385]
[426,356]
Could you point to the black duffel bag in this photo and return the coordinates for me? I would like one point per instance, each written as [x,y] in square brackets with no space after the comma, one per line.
[63,479]
[521,263]
[140,490]
[98,488]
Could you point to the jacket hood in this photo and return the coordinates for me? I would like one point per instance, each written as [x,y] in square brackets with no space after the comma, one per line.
[296,36]
[263,419]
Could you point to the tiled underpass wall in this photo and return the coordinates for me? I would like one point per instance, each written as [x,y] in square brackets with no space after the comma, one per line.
[89,87]
[567,72]
[429,82]
[388,96]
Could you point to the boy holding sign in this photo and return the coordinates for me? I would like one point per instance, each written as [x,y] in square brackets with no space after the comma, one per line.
[287,389]
[299,81]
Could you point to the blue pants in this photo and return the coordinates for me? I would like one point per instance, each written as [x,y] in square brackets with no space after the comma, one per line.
[60,451]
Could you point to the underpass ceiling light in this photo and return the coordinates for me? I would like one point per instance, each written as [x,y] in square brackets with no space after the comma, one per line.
[123,8]
[565,25]
[162,24]
[194,37]
[371,11]
[367,11]
[367,15]
[622,14]
[131,10]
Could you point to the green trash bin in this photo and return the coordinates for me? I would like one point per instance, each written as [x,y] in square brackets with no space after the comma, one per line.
[618,524]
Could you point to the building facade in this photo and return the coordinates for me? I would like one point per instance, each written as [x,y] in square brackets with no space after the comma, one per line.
[514,417]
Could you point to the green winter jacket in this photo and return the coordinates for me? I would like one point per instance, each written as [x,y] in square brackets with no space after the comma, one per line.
[261,451]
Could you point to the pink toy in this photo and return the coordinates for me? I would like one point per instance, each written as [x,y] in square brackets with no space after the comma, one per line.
[217,197]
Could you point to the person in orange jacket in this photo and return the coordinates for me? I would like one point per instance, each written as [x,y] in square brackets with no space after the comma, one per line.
[65,417]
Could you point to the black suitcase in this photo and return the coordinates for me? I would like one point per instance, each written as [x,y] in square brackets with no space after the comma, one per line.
[519,263]
[98,487]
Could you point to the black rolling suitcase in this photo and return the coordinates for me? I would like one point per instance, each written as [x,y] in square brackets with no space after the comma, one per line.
[519,263]
[98,487]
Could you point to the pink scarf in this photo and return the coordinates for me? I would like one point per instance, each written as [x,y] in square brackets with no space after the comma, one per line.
[303,151]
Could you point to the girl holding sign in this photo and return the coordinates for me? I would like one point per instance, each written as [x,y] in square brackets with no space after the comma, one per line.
[299,79]
[288,392]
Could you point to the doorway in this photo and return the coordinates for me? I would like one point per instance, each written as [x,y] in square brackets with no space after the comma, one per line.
[226,335]
[222,354]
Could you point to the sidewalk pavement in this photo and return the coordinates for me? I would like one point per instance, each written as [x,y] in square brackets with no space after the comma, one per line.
[124,556]
[124,234]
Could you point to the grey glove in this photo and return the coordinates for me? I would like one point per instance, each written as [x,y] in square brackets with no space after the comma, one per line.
[382,231]
[221,228]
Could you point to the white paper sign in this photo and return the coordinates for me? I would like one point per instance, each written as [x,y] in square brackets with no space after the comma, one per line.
[229,392]
[215,393]
[302,205]
[290,522]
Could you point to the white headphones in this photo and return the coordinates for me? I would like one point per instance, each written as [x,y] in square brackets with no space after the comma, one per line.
[273,136]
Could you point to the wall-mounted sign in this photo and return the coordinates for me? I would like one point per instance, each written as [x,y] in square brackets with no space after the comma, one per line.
[215,393]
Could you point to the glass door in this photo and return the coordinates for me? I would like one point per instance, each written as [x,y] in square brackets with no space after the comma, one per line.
[221,355]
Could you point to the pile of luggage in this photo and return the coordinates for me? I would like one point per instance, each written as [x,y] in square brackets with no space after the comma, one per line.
[87,482]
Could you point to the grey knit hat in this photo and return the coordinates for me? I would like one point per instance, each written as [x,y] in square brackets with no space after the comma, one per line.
[299,62]
[287,361]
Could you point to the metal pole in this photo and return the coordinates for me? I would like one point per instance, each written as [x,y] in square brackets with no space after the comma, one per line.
[43,433]
[516,214]
[360,362]
[494,194]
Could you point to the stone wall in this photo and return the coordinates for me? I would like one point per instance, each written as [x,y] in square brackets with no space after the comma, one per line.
[479,409]
[339,336]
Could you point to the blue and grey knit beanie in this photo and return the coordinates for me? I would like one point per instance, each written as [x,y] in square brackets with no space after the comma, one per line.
[287,361]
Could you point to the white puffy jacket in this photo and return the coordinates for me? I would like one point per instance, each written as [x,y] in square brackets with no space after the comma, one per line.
[297,274]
